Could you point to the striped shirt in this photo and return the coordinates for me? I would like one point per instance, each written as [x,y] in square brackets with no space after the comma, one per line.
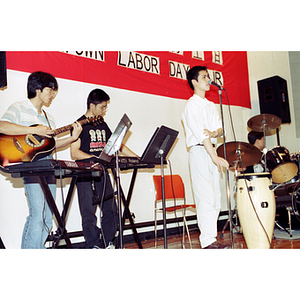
[24,113]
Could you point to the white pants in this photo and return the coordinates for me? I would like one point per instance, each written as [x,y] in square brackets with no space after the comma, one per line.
[206,188]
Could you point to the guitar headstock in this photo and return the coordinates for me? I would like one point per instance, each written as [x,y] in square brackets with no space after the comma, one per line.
[96,120]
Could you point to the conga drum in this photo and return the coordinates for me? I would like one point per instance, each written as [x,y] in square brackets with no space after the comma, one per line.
[256,209]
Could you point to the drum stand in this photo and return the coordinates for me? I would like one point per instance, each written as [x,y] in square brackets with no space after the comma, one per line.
[235,226]
[290,223]
[233,212]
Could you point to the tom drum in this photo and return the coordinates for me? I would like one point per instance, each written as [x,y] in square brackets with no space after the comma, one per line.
[280,165]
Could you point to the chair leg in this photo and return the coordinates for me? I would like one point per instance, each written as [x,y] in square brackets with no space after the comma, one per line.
[155,228]
[183,228]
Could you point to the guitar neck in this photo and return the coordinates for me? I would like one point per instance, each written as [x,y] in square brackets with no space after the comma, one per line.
[81,122]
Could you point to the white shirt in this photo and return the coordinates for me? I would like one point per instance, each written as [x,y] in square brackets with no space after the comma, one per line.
[199,114]
[24,113]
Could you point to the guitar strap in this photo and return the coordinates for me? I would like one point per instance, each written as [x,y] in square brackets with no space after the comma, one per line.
[49,127]
[47,119]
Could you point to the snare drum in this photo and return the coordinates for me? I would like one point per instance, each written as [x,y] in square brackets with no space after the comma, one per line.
[257,212]
[280,165]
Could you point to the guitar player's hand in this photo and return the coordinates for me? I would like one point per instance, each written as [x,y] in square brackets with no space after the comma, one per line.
[77,128]
[42,131]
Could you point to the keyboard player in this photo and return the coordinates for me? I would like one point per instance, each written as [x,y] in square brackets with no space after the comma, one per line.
[91,191]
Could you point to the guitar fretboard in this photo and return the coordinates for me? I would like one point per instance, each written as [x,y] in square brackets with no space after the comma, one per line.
[98,119]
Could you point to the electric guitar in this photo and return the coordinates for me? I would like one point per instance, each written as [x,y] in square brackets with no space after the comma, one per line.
[30,147]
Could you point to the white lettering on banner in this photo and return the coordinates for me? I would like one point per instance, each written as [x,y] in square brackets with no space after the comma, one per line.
[97,55]
[178,70]
[217,57]
[138,61]
[177,52]
[216,76]
[198,55]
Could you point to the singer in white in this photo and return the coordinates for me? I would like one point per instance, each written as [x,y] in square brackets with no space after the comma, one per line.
[202,126]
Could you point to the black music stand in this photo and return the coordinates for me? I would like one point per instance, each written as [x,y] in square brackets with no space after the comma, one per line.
[156,153]
[112,148]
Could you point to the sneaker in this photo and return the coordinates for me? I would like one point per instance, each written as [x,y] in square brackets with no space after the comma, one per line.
[110,246]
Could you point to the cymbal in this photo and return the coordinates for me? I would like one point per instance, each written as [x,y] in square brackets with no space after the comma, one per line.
[238,152]
[267,121]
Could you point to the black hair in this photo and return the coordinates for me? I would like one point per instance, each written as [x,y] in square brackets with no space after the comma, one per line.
[254,135]
[193,73]
[97,96]
[38,81]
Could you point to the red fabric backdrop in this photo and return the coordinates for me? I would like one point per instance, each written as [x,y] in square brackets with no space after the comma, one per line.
[108,72]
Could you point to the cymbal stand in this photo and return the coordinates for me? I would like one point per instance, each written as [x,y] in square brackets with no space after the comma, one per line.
[265,153]
[234,211]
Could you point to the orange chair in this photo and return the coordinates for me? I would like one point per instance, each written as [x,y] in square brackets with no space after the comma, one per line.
[174,190]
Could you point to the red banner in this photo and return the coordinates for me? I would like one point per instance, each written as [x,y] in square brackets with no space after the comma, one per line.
[160,73]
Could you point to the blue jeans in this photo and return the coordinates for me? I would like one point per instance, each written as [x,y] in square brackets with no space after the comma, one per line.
[39,221]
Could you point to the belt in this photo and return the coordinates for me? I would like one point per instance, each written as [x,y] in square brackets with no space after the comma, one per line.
[203,145]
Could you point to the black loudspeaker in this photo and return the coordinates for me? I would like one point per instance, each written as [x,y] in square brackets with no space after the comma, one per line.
[273,98]
[3,76]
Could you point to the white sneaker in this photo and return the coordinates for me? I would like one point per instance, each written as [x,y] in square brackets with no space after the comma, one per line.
[110,246]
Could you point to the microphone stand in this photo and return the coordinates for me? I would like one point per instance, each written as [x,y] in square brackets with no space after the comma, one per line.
[227,173]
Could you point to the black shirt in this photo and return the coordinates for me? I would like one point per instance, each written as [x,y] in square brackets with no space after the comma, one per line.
[94,137]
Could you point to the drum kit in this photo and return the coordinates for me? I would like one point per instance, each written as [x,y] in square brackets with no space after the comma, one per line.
[255,198]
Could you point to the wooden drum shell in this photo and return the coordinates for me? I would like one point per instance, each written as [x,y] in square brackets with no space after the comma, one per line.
[263,200]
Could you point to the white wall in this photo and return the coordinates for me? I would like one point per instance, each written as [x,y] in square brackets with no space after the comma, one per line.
[146,113]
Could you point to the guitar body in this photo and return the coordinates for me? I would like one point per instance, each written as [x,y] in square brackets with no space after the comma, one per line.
[29,147]
[24,148]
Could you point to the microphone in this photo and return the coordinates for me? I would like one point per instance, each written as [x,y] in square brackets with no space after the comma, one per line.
[210,82]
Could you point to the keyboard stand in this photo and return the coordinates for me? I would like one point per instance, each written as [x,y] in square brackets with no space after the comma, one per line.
[126,213]
[60,169]
[61,231]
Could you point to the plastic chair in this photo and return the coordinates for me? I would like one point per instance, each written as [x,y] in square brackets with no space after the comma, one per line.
[174,190]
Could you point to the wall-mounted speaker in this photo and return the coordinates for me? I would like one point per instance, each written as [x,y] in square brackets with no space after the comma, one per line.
[3,76]
[273,98]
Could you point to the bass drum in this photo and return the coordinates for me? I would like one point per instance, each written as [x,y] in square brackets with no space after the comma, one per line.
[280,165]
[256,209]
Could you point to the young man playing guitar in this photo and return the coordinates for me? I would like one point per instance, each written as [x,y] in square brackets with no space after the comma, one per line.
[41,90]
